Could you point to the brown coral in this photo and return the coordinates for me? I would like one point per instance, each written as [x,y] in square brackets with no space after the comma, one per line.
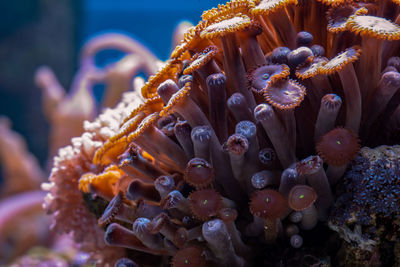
[339,146]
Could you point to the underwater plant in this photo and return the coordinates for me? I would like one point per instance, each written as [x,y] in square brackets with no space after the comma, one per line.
[234,155]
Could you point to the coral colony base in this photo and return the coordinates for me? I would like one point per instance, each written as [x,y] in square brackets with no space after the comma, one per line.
[247,146]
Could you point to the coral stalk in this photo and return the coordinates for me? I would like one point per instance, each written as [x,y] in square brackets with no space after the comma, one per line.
[216,84]
[277,134]
[216,234]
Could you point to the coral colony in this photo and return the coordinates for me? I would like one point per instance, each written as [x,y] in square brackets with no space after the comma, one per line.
[245,140]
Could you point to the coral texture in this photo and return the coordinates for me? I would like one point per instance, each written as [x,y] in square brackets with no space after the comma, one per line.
[367,213]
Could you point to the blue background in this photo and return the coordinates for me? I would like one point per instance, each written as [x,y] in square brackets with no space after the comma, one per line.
[151,22]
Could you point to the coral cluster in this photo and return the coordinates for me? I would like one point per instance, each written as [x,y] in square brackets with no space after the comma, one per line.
[241,136]
[20,210]
[367,213]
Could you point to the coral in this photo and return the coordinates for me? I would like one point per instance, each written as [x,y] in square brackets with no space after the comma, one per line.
[208,168]
[43,257]
[23,224]
[68,204]
[67,112]
[367,213]
[20,169]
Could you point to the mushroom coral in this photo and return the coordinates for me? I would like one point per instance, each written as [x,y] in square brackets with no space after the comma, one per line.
[232,124]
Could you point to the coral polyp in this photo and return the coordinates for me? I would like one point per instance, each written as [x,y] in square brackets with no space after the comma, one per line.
[234,155]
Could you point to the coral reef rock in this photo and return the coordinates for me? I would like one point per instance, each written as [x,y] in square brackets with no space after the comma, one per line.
[366,214]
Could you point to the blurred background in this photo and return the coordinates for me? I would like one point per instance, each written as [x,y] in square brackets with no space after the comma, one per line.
[51,33]
[48,32]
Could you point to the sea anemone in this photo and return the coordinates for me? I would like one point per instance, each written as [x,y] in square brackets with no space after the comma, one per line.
[242,134]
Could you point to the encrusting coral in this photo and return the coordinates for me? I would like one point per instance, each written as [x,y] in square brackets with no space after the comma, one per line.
[367,213]
[255,117]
